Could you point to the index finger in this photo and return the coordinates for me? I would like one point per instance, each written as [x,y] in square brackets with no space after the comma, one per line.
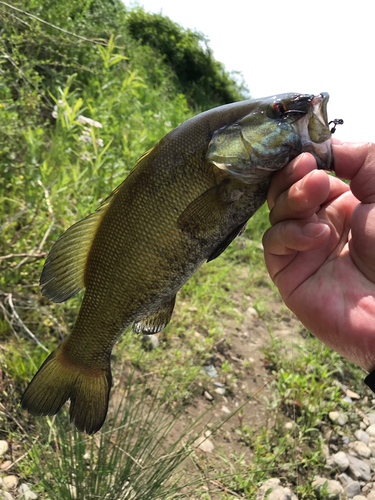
[356,162]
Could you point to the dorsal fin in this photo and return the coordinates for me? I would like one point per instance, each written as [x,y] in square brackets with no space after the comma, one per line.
[64,269]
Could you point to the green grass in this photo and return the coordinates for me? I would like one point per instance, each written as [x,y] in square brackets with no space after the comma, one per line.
[55,170]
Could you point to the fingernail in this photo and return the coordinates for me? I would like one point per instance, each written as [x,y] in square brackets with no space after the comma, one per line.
[312,230]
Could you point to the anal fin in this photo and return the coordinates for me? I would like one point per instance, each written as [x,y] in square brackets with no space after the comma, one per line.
[156,321]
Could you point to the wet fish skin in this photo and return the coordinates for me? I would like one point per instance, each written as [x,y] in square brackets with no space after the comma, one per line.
[183,203]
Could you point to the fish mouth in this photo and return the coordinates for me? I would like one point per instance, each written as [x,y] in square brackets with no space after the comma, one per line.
[314,131]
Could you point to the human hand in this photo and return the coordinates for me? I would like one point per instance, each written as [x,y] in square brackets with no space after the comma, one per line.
[320,250]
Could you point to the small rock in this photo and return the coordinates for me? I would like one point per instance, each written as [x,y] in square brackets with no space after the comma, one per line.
[341,460]
[26,492]
[225,409]
[5,464]
[359,497]
[371,430]
[150,342]
[204,444]
[352,394]
[208,396]
[3,447]
[218,384]
[270,483]
[360,449]
[342,420]
[353,489]
[6,495]
[363,426]
[347,399]
[278,492]
[372,463]
[210,370]
[334,488]
[289,426]
[345,440]
[334,415]
[371,418]
[345,479]
[252,312]
[367,488]
[220,390]
[10,482]
[359,469]
[362,436]
[371,495]
[371,445]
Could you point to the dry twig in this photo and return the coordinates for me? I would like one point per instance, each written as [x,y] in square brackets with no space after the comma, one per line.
[9,300]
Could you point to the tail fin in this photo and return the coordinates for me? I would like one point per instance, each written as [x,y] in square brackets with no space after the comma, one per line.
[58,380]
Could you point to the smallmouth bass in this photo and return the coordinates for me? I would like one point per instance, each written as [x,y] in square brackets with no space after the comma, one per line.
[184,202]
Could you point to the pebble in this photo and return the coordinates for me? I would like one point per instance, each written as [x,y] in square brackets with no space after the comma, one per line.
[10,482]
[5,464]
[220,390]
[341,460]
[359,497]
[218,384]
[360,449]
[371,495]
[334,488]
[210,370]
[278,492]
[372,463]
[367,488]
[333,415]
[6,495]
[345,440]
[363,426]
[371,430]
[252,312]
[26,492]
[204,444]
[353,489]
[342,420]
[371,418]
[338,418]
[345,479]
[150,342]
[352,394]
[347,399]
[208,396]
[225,409]
[359,469]
[3,447]
[362,436]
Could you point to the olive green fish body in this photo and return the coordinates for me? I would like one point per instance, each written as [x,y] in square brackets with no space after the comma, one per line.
[183,203]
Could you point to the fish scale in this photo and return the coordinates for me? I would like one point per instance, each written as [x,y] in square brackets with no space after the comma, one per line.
[184,202]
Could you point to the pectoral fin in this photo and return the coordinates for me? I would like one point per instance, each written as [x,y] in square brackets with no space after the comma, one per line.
[228,240]
[157,321]
[204,214]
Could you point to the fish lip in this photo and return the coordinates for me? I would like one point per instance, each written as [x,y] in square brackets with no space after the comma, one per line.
[319,107]
[322,151]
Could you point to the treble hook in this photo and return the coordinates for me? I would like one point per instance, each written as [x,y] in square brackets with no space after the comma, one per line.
[336,121]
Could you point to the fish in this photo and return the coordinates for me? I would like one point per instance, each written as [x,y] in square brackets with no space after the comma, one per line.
[184,202]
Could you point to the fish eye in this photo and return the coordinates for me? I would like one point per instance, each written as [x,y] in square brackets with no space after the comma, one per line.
[278,108]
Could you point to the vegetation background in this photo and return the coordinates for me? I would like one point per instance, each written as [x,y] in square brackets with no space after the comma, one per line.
[85,88]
